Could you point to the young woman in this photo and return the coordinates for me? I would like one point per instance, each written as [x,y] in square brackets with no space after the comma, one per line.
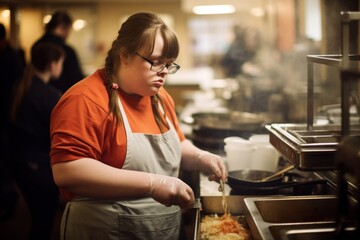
[29,137]
[117,146]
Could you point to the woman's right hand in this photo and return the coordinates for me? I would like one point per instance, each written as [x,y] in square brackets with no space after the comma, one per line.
[171,191]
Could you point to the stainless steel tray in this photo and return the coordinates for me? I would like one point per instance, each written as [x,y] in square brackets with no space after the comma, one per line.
[279,217]
[307,150]
[213,205]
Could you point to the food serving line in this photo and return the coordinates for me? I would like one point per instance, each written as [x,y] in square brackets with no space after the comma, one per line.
[283,201]
[297,205]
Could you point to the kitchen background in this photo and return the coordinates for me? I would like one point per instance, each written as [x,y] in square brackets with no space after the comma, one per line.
[275,81]
[273,84]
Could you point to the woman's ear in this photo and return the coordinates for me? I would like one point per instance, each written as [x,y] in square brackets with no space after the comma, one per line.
[124,57]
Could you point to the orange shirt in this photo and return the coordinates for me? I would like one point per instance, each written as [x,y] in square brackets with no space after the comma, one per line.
[82,128]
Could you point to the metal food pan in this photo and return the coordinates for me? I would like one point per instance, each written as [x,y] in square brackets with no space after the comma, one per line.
[306,150]
[275,217]
[213,205]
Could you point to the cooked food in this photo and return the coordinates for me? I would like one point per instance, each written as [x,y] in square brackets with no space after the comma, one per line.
[226,227]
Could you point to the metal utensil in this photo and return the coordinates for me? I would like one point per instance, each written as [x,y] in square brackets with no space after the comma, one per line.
[224,200]
[197,203]
[278,173]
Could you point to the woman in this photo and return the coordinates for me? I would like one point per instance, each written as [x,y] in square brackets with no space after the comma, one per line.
[29,136]
[116,143]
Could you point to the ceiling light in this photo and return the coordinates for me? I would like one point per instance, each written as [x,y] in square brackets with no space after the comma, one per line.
[79,24]
[257,12]
[213,9]
[46,19]
[5,13]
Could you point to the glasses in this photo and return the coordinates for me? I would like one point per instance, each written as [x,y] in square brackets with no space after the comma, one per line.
[158,67]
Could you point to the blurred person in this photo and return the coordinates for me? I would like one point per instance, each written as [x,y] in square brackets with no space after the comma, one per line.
[241,52]
[116,145]
[11,68]
[29,136]
[57,30]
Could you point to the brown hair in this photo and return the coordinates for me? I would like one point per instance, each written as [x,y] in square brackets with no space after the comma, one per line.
[42,55]
[138,32]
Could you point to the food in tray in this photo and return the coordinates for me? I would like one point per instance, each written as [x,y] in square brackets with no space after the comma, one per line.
[225,227]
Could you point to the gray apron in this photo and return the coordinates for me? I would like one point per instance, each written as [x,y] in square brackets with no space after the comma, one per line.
[141,218]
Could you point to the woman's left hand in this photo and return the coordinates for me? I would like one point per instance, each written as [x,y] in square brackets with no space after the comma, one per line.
[212,164]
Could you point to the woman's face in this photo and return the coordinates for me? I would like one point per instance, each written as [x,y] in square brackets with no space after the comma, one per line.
[136,76]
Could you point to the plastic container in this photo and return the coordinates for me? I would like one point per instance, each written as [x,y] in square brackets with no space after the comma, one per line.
[265,157]
[238,153]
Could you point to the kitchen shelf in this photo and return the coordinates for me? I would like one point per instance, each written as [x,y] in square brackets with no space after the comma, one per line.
[307,150]
[342,61]
[312,147]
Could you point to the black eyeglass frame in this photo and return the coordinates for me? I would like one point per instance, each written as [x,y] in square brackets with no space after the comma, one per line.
[172,67]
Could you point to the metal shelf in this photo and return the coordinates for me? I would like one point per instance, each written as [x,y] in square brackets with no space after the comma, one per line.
[337,60]
[310,147]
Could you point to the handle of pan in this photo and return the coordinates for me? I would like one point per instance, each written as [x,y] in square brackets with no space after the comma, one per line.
[278,173]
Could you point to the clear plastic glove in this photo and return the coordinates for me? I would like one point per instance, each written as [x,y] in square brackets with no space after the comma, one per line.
[171,191]
[213,164]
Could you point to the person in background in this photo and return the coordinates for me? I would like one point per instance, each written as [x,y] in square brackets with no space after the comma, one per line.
[29,136]
[57,30]
[241,51]
[11,68]
[116,145]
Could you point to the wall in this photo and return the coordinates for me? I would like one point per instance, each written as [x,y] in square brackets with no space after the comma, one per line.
[110,14]
[104,21]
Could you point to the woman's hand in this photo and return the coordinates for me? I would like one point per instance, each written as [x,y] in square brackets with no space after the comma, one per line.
[171,191]
[212,164]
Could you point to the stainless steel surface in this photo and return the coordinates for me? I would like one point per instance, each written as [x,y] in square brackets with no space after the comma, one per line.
[306,149]
[213,205]
[273,217]
[317,233]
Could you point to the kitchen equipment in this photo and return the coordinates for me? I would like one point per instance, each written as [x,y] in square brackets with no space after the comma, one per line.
[333,113]
[256,153]
[248,182]
[348,163]
[248,177]
[238,152]
[279,217]
[344,60]
[210,128]
[264,156]
[224,198]
[307,150]
[278,173]
[312,147]
[230,120]
[213,205]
